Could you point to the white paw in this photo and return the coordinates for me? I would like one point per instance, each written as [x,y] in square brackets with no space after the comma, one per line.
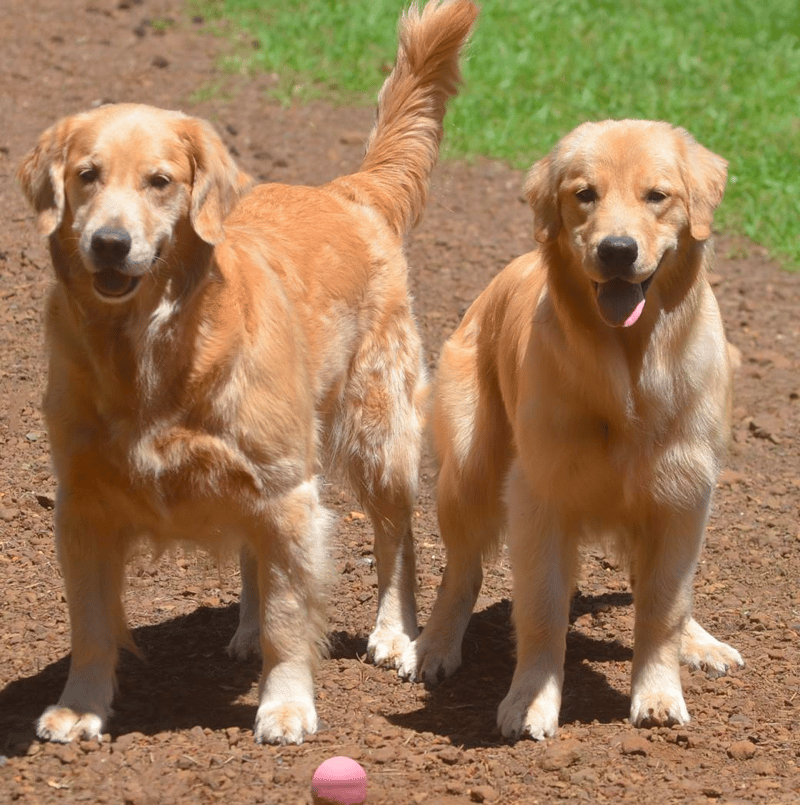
[521,715]
[61,724]
[387,647]
[658,709]
[699,650]
[245,643]
[285,722]
[428,660]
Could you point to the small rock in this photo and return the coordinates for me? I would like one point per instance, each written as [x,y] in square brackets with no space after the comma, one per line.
[742,750]
[483,793]
[560,755]
[386,754]
[185,762]
[585,777]
[451,755]
[8,514]
[124,742]
[764,767]
[46,502]
[66,753]
[134,794]
[766,427]
[634,745]
[740,720]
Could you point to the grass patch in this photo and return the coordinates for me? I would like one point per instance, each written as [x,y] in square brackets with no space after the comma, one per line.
[727,70]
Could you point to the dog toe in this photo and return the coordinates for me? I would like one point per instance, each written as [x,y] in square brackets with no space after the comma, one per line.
[62,725]
[518,717]
[284,722]
[658,709]
[425,661]
[244,644]
[388,647]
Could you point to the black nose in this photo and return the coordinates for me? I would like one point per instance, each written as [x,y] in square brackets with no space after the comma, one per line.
[111,245]
[617,253]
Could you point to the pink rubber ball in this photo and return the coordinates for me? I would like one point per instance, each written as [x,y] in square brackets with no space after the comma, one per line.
[340,780]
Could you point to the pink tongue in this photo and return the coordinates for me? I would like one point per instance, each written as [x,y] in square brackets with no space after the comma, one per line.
[620,303]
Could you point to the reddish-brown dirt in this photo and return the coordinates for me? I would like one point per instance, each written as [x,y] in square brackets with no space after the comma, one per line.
[182,729]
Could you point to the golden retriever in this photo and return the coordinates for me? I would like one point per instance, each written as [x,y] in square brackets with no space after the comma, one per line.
[211,345]
[586,394]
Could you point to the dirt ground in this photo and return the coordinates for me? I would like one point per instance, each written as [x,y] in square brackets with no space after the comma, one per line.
[182,729]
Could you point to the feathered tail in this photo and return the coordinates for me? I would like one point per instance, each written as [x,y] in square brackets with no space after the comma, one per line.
[403,145]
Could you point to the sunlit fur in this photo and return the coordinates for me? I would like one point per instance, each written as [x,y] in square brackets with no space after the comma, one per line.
[249,337]
[557,428]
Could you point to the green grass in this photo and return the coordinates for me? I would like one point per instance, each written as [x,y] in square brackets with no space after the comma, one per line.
[727,70]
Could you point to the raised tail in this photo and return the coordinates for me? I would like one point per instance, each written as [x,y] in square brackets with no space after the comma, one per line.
[403,145]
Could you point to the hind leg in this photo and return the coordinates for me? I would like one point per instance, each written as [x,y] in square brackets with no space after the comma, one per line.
[700,650]
[474,446]
[396,623]
[469,531]
[245,641]
[375,435]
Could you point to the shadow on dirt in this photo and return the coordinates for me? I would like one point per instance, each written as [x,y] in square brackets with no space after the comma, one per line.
[347,646]
[186,680]
[464,707]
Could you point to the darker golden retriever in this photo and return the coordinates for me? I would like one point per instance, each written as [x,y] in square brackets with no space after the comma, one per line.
[211,346]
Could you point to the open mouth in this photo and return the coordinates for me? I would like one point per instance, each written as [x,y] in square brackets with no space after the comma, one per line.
[114,284]
[620,302]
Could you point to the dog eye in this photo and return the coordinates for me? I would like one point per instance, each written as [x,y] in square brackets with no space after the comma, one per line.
[656,196]
[587,195]
[88,175]
[159,180]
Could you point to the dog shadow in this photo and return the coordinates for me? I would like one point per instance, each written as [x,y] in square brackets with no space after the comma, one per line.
[185,680]
[188,681]
[463,708]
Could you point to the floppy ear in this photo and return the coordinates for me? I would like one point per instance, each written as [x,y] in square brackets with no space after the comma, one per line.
[541,190]
[41,176]
[704,175]
[217,183]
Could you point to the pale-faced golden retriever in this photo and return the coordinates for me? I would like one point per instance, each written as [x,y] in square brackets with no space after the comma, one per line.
[586,395]
[211,346]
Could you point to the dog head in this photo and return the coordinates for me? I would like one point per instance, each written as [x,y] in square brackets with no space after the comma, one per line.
[119,183]
[622,196]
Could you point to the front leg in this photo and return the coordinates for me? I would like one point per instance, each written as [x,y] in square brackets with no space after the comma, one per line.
[543,558]
[291,552]
[92,561]
[666,556]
